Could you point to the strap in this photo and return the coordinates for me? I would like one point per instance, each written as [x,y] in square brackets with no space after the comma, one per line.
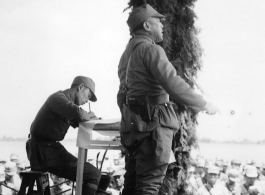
[209,190]
[128,64]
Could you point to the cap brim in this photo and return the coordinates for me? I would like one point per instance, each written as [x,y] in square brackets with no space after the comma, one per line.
[252,175]
[118,173]
[11,173]
[158,15]
[217,173]
[93,98]
[234,179]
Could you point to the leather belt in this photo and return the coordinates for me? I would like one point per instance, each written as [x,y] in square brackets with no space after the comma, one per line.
[40,139]
[152,100]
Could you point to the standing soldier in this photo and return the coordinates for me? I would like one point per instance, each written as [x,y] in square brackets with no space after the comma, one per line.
[148,123]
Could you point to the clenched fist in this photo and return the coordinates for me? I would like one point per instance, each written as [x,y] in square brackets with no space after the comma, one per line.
[211,108]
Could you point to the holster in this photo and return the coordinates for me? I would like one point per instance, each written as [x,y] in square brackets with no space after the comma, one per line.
[141,107]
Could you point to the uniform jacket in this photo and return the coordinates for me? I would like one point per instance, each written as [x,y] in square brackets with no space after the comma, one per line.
[14,182]
[150,73]
[217,189]
[242,190]
[6,191]
[49,127]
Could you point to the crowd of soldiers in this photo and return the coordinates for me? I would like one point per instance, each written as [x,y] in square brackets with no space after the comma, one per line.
[204,177]
[10,180]
[219,177]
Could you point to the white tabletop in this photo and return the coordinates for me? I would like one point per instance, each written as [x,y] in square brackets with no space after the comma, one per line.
[86,128]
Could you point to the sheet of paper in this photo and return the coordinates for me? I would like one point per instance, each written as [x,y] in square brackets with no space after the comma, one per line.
[84,134]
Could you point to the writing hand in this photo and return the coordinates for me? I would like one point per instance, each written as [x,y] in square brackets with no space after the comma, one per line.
[92,116]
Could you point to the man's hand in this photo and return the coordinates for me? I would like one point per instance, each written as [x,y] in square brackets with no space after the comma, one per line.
[92,116]
[211,108]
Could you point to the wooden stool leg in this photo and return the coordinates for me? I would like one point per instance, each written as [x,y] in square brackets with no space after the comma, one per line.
[39,186]
[43,185]
[24,184]
[29,179]
[31,185]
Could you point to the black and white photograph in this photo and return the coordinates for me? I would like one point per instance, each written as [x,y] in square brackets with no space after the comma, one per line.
[132,97]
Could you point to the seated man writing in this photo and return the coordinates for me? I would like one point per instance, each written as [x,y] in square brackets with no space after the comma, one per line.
[60,111]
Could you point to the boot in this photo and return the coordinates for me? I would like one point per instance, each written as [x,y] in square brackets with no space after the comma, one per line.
[89,189]
[102,192]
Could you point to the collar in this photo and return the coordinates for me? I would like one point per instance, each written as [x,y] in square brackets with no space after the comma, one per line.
[229,187]
[209,186]
[244,189]
[142,36]
[67,94]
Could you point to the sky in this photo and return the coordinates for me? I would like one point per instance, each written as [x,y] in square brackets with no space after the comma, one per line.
[45,44]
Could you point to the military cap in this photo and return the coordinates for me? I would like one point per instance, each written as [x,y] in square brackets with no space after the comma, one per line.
[258,164]
[58,180]
[250,162]
[89,83]
[141,14]
[214,169]
[226,163]
[251,171]
[219,163]
[208,164]
[233,175]
[200,163]
[236,161]
[14,156]
[118,172]
[20,164]
[2,160]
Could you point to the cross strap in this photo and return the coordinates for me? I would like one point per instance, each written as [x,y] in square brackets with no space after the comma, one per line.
[129,62]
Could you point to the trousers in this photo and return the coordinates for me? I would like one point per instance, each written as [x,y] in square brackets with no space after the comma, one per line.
[148,152]
[91,176]
[146,160]
[54,158]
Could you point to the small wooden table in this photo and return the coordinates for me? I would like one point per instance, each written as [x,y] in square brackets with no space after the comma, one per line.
[85,141]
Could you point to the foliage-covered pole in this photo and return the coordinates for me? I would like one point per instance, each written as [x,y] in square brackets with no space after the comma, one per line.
[184,52]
